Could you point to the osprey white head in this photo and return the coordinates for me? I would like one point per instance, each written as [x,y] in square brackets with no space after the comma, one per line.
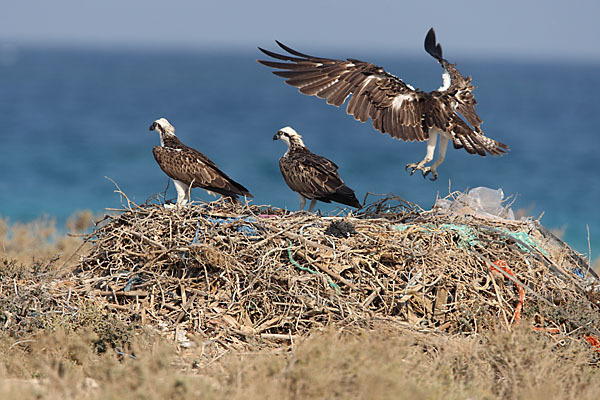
[163,127]
[289,136]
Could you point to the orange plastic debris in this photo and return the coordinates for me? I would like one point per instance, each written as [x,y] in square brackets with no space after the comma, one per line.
[517,315]
[593,341]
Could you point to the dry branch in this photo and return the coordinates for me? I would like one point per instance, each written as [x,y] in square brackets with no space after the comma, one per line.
[239,274]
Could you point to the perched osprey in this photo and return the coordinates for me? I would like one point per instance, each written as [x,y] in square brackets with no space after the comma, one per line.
[189,168]
[396,108]
[311,176]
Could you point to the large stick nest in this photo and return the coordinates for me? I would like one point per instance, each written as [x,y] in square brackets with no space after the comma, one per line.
[239,273]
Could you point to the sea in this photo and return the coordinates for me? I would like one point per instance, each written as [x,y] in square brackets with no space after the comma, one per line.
[74,129]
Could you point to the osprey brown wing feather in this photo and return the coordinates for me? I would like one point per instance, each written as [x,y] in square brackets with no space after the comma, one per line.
[373,90]
[315,177]
[393,106]
[310,175]
[190,166]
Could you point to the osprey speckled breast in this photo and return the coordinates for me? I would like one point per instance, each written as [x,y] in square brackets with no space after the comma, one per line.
[190,168]
[312,176]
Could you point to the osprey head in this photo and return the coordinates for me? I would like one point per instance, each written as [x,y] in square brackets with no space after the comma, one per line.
[289,136]
[163,127]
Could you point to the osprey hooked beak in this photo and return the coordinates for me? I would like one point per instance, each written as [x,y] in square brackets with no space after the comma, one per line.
[277,135]
[163,127]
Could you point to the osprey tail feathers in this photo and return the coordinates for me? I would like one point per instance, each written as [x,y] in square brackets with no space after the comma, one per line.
[343,195]
[479,144]
[229,189]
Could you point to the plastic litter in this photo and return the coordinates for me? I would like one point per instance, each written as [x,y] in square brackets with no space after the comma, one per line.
[247,230]
[482,201]
[467,237]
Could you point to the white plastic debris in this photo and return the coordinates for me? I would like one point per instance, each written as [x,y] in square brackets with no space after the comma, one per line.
[182,339]
[482,201]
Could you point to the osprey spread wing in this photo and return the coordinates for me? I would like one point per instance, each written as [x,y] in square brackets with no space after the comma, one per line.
[394,107]
[190,168]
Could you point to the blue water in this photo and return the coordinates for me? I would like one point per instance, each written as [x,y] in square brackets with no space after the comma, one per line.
[70,117]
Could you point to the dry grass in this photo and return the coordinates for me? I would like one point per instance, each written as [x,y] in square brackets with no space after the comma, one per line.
[39,242]
[81,336]
[377,364]
[410,365]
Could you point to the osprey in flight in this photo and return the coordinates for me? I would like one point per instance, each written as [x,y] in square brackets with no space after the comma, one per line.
[189,168]
[311,176]
[395,107]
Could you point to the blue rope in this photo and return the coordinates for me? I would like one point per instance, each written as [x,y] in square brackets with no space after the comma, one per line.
[132,281]
[196,234]
[125,354]
[331,283]
[193,240]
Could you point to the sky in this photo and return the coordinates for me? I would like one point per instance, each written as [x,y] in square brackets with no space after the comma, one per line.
[529,29]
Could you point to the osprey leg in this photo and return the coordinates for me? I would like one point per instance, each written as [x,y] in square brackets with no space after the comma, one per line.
[183,192]
[312,205]
[441,156]
[431,142]
[302,200]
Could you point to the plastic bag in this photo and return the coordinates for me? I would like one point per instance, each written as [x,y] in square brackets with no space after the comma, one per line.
[482,201]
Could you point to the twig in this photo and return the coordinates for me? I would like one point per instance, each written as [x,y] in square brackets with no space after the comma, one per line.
[326,270]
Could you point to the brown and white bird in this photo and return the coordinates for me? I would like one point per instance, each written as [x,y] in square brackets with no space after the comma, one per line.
[189,168]
[311,176]
[395,107]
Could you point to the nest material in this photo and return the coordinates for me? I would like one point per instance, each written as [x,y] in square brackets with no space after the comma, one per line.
[242,275]
[239,273]
[340,229]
